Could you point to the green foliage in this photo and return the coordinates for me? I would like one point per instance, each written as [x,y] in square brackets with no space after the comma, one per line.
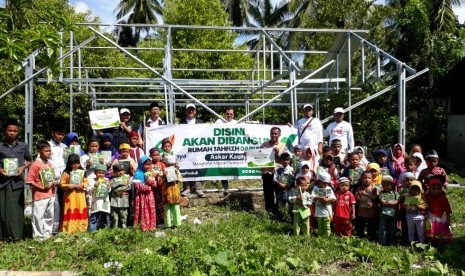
[229,242]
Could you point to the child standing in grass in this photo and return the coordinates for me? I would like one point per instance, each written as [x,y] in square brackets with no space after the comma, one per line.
[284,180]
[301,201]
[158,167]
[439,212]
[172,179]
[73,183]
[99,187]
[366,196]
[415,208]
[388,199]
[323,196]
[144,202]
[344,211]
[119,201]
[43,193]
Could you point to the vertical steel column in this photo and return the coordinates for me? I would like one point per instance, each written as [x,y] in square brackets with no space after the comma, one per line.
[169,101]
[71,106]
[293,92]
[402,101]
[349,76]
[29,102]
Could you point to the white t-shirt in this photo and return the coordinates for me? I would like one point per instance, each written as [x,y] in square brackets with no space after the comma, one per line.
[57,157]
[312,135]
[190,122]
[323,210]
[342,131]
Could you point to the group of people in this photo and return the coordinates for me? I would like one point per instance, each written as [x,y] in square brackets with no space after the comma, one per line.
[333,191]
[114,183]
[76,191]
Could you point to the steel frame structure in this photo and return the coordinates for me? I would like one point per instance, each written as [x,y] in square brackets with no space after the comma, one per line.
[275,73]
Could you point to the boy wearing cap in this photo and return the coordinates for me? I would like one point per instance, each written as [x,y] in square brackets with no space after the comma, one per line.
[193,187]
[135,151]
[124,158]
[388,199]
[119,201]
[323,196]
[340,129]
[309,130]
[344,210]
[99,187]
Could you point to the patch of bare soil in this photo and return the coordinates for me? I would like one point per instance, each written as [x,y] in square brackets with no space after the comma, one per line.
[337,268]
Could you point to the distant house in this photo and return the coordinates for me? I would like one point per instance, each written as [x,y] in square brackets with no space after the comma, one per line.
[449,88]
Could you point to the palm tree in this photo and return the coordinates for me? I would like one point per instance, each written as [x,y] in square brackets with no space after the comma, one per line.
[237,11]
[264,15]
[144,12]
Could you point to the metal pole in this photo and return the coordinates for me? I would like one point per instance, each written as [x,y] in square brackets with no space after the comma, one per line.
[349,76]
[71,114]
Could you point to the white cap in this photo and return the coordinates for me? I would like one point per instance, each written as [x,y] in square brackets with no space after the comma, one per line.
[338,110]
[190,105]
[124,110]
[308,105]
[324,176]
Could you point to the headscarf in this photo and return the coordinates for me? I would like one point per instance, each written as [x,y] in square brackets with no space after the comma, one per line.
[423,162]
[420,196]
[378,178]
[387,164]
[363,160]
[313,161]
[140,172]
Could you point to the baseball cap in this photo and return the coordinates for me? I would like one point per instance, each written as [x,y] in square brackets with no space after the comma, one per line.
[308,105]
[338,110]
[124,110]
[190,105]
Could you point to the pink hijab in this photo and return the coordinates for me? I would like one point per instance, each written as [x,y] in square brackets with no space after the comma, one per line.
[313,160]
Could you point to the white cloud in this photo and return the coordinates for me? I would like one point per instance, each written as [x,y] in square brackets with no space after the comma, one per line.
[81,7]
[460,12]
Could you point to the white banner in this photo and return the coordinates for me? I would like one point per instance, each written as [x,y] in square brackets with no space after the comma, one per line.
[216,151]
[104,118]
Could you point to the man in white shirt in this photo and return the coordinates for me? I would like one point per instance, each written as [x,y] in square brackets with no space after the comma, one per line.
[154,120]
[229,117]
[309,130]
[191,187]
[342,130]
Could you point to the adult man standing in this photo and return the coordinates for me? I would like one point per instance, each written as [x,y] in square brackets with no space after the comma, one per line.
[12,183]
[229,117]
[342,130]
[190,119]
[153,121]
[268,173]
[309,130]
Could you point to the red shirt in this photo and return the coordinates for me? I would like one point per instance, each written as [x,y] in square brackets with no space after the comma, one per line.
[33,179]
[343,202]
[437,205]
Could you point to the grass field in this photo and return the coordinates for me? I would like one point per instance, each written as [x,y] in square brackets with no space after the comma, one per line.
[228,242]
